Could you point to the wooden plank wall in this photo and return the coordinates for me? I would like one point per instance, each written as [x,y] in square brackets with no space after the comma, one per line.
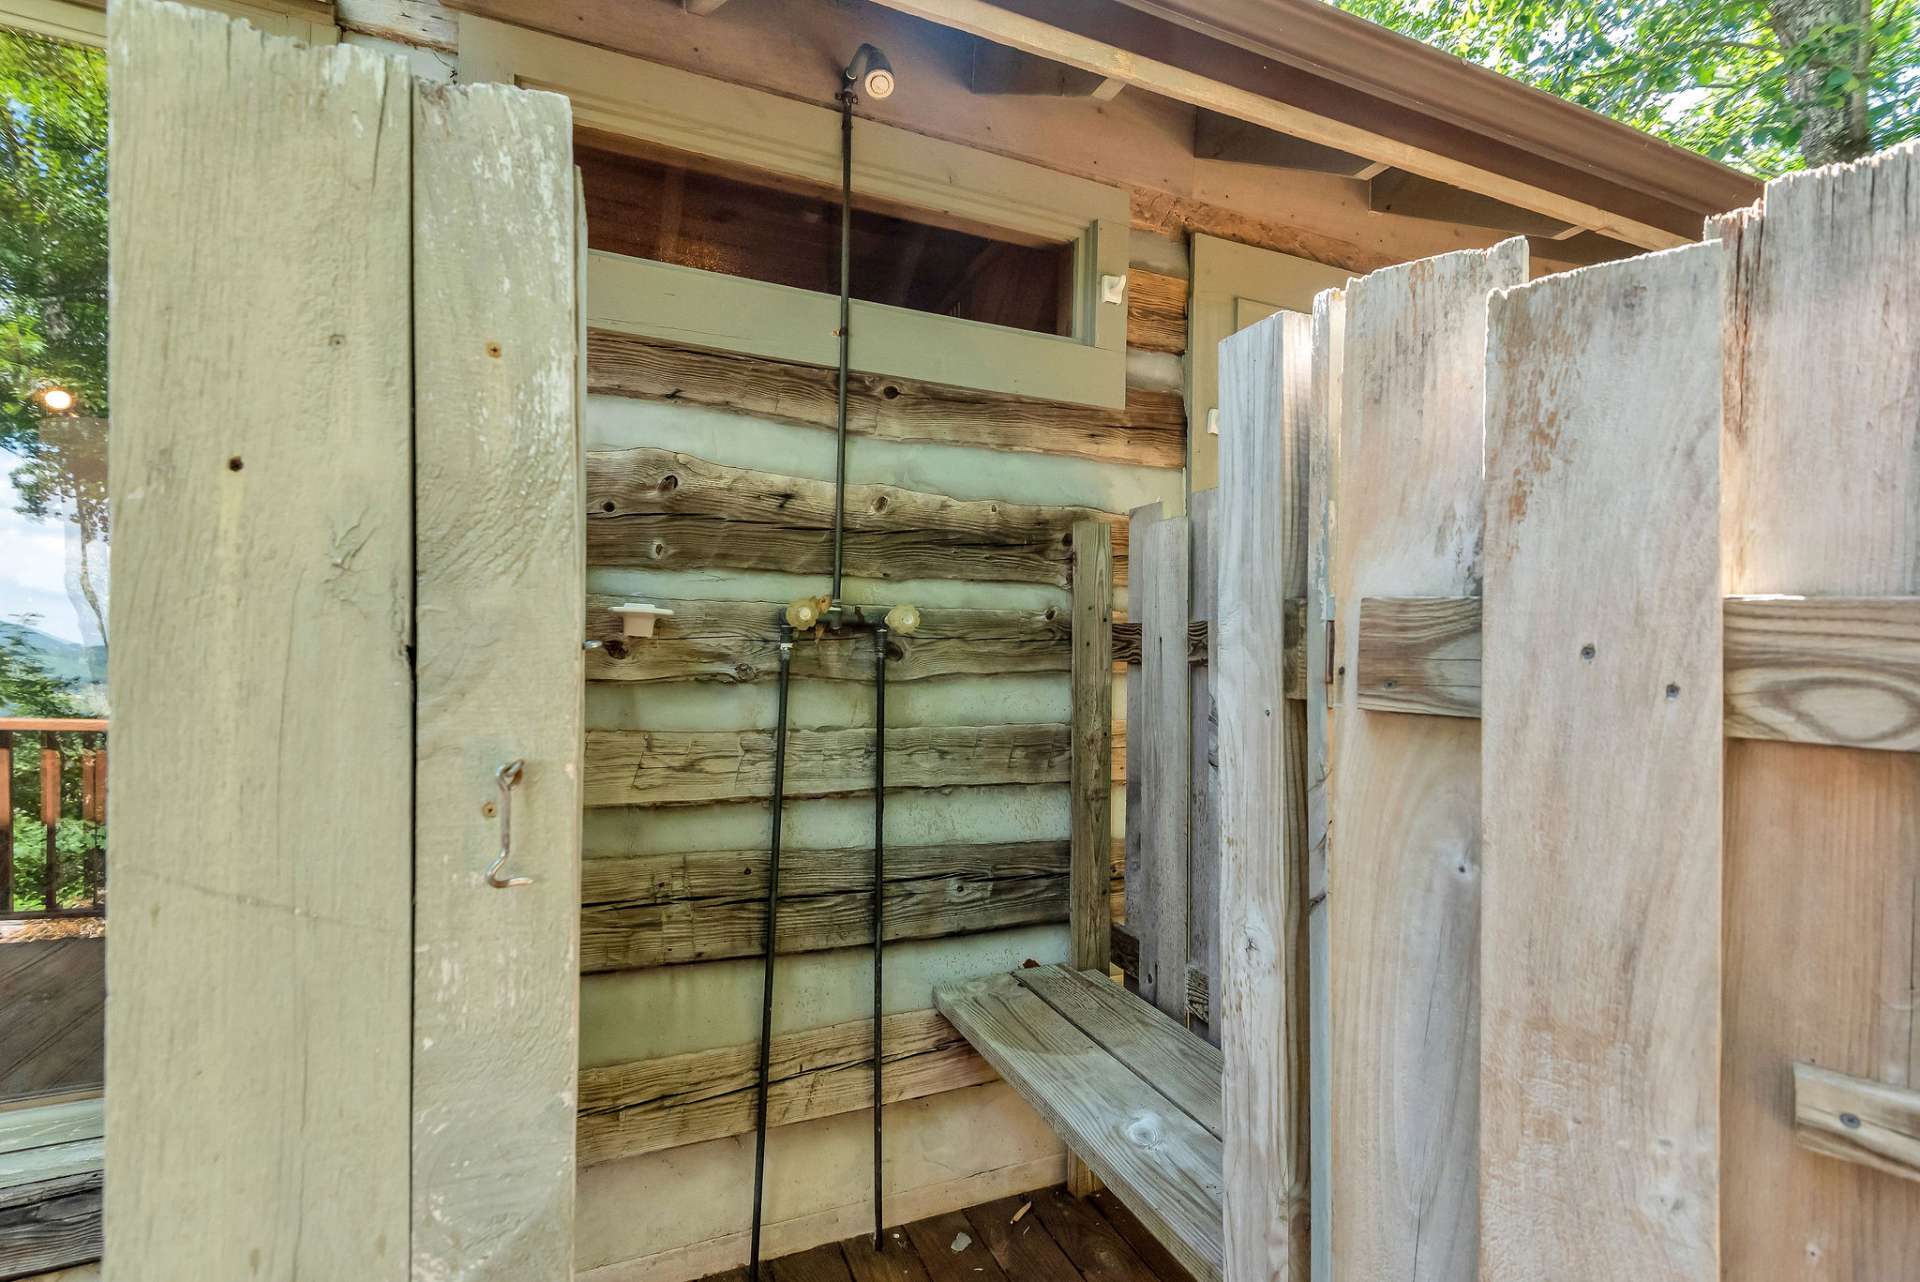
[262,436]
[1403,870]
[1822,844]
[676,514]
[1600,759]
[1263,527]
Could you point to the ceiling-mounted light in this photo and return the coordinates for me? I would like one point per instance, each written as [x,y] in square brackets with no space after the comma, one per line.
[871,72]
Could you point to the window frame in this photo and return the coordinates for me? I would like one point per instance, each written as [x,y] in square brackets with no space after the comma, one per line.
[659,106]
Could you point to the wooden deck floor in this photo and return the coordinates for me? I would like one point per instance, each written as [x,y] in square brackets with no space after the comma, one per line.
[50,1185]
[53,995]
[1048,1236]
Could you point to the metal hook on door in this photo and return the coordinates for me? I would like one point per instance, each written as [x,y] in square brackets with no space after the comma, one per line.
[507,775]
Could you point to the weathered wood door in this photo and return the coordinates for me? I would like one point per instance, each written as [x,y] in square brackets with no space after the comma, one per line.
[347,659]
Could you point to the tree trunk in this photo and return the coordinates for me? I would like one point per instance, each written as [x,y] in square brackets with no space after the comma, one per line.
[1833,121]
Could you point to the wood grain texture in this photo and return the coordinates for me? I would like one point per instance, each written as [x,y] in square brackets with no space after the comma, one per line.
[1159,1050]
[1419,654]
[1156,311]
[950,1252]
[1822,844]
[1601,757]
[1096,1247]
[666,510]
[1091,787]
[1151,432]
[689,767]
[1404,810]
[1162,1163]
[53,997]
[1159,599]
[1856,1120]
[1261,526]
[50,1224]
[1023,1249]
[1203,749]
[643,1106]
[500,566]
[1141,912]
[1323,465]
[737,642]
[265,578]
[662,910]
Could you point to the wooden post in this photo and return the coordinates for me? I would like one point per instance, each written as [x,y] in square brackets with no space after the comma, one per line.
[1203,800]
[1822,860]
[1091,857]
[1157,602]
[1403,894]
[1262,526]
[51,765]
[500,558]
[1600,751]
[258,1017]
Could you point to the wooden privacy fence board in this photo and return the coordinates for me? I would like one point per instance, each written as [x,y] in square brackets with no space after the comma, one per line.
[501,592]
[1842,671]
[1855,1120]
[659,910]
[1820,496]
[1261,1009]
[643,1106]
[1404,815]
[1600,752]
[738,642]
[260,464]
[1158,912]
[688,767]
[1203,814]
[1151,432]
[1164,1165]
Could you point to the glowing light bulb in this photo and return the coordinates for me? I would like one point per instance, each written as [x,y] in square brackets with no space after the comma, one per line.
[57,399]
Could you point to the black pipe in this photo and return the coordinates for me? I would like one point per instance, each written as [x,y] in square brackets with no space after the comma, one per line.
[846,321]
[879,877]
[766,988]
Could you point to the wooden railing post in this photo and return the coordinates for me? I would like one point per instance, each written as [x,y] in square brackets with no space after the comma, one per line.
[50,768]
[6,821]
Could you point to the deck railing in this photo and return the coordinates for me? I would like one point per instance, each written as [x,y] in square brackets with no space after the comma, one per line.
[72,755]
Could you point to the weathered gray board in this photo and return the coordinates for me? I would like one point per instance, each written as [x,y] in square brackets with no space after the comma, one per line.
[263,720]
[1820,496]
[1601,753]
[1157,600]
[501,604]
[1203,785]
[1404,810]
[1262,527]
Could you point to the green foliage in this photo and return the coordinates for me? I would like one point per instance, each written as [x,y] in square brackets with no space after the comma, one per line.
[53,279]
[75,840]
[27,689]
[1719,76]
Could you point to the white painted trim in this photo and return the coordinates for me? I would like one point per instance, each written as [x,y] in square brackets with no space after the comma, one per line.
[56,19]
[83,24]
[619,94]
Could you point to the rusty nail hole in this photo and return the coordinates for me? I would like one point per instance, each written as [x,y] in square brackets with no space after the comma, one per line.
[487,809]
[234,464]
[493,350]
[1673,691]
[336,340]
[1587,651]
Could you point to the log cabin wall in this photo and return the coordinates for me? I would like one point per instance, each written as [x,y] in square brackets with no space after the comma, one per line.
[710,491]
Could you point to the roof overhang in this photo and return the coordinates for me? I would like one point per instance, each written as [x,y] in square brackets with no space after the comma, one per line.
[1304,68]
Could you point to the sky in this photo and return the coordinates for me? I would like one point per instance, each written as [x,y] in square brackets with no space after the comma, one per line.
[33,566]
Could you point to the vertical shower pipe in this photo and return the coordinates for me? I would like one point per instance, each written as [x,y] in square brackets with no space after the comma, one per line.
[879,871]
[766,985]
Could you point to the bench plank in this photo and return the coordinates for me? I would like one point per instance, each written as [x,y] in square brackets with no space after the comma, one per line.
[1156,1158]
[1180,1065]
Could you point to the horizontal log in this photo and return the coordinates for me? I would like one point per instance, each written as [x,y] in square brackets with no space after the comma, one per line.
[647,1105]
[666,510]
[1843,671]
[1151,432]
[659,910]
[50,1224]
[1156,312]
[1857,1120]
[1126,645]
[737,642]
[690,767]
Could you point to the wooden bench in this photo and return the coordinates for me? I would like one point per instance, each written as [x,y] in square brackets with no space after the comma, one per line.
[1133,1094]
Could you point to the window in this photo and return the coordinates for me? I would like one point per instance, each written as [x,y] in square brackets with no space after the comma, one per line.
[713,220]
